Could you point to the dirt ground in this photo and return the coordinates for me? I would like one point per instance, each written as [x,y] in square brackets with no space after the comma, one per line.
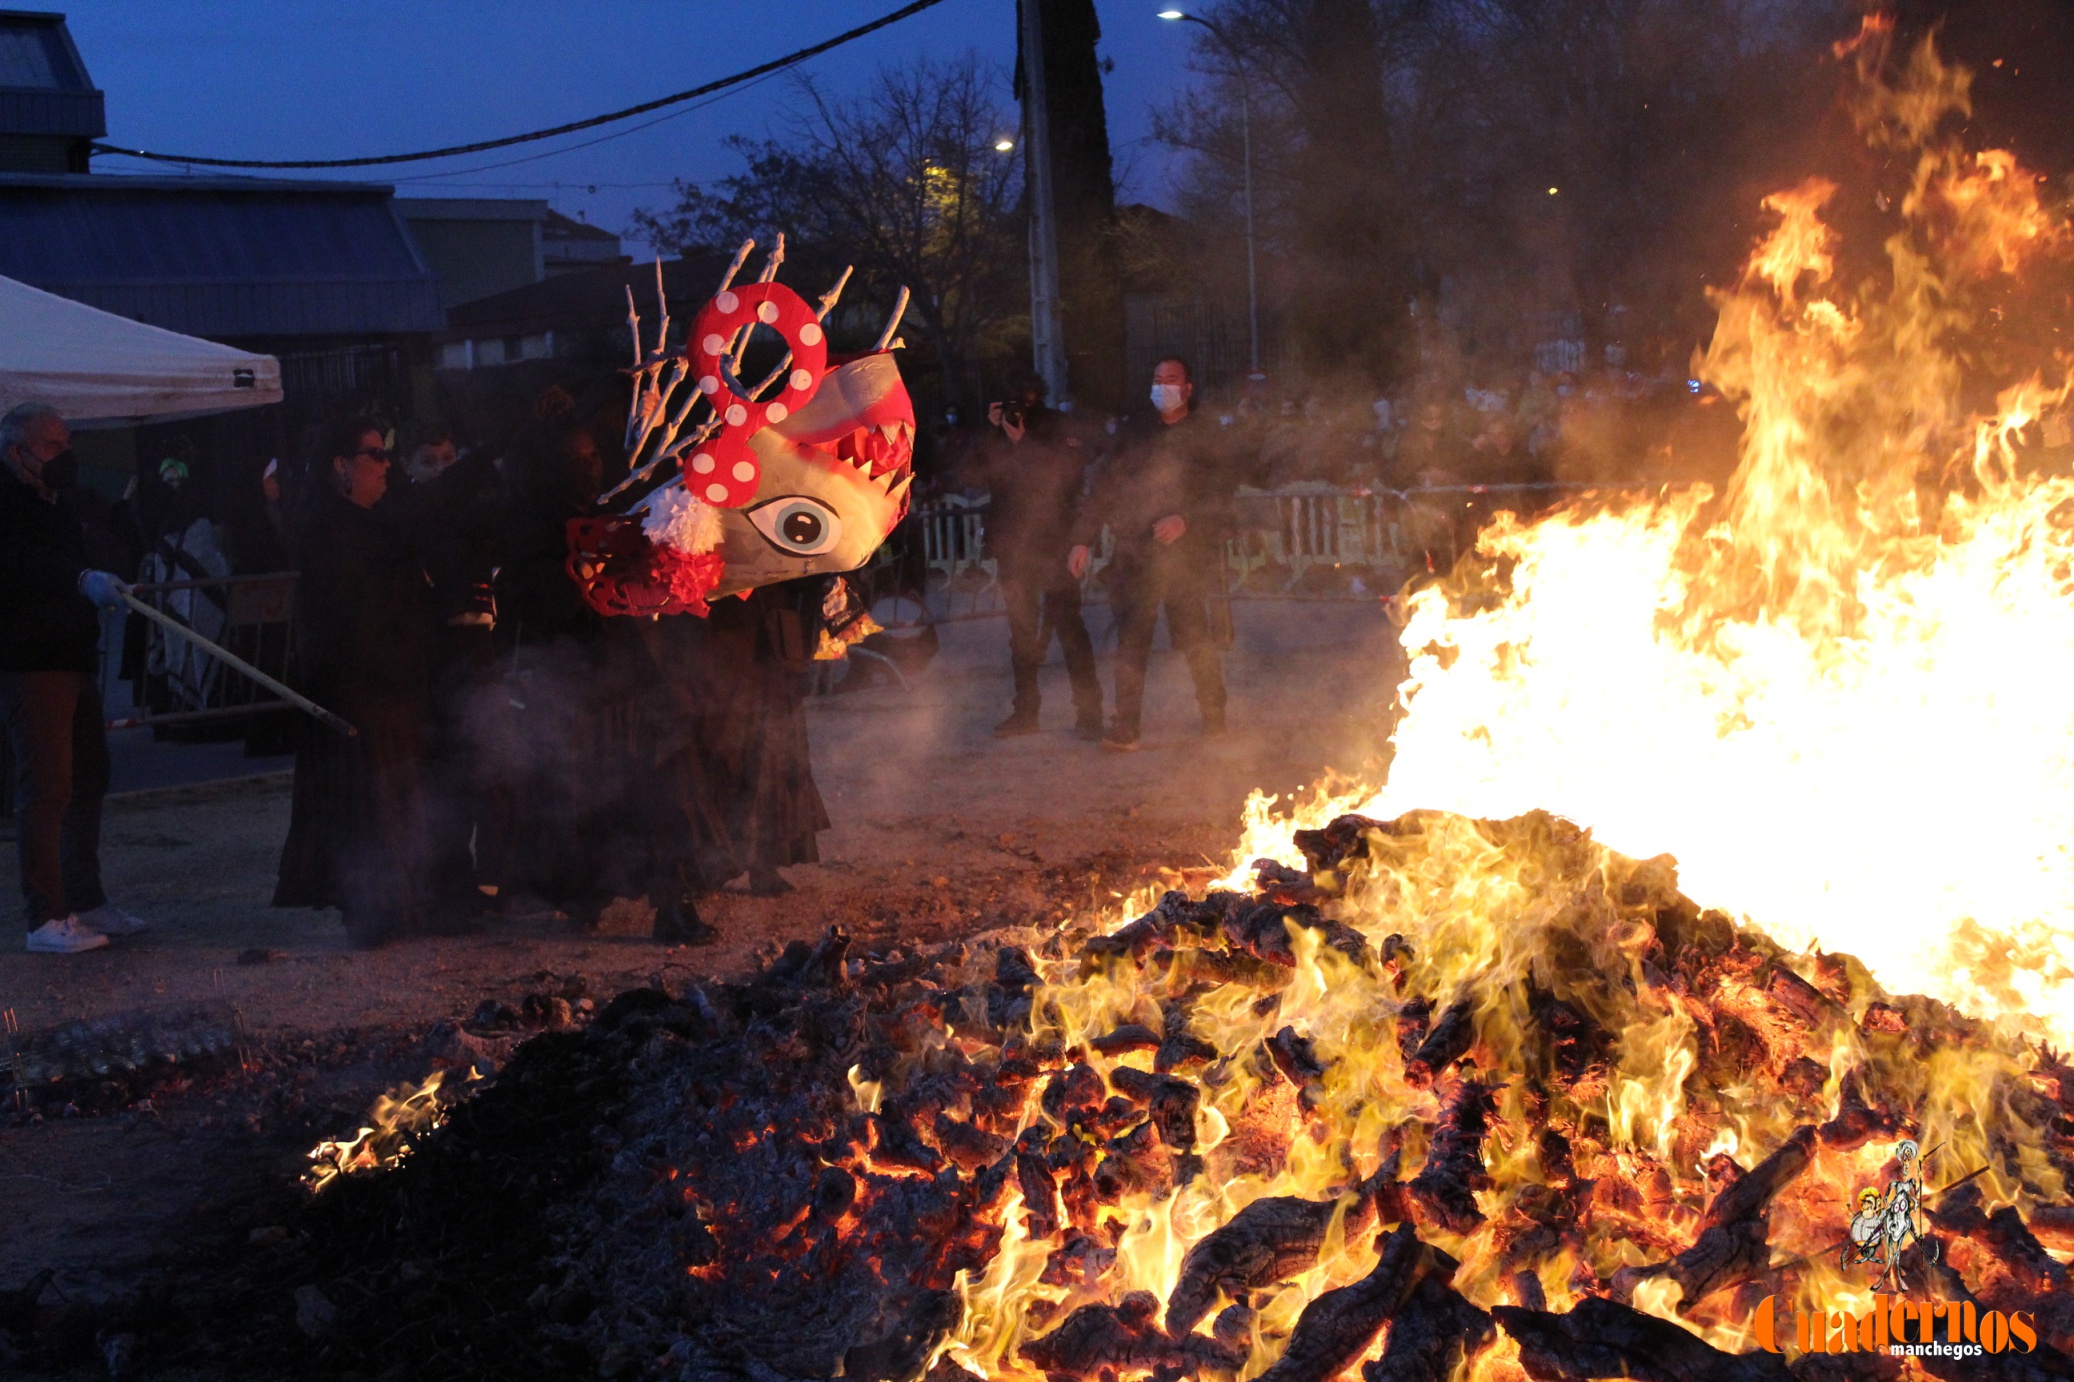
[939,830]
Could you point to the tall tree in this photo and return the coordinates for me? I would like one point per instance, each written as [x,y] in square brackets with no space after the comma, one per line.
[903,181]
[1084,196]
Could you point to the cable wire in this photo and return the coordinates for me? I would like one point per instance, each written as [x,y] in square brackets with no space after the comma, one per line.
[764,70]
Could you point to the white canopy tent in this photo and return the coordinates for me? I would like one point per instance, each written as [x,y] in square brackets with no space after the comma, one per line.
[95,367]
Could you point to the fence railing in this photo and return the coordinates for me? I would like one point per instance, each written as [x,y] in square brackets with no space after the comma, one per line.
[151,676]
[1305,541]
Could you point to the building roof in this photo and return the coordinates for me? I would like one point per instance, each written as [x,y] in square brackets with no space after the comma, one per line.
[472,209]
[220,257]
[44,88]
[590,298]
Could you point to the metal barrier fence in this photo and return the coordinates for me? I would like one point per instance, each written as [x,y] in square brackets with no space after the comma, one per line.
[1304,541]
[152,677]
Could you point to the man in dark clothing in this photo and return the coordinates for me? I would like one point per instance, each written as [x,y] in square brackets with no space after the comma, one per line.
[362,622]
[1033,470]
[50,695]
[456,506]
[1167,504]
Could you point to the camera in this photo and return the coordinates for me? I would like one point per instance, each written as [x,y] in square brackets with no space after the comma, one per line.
[1011,412]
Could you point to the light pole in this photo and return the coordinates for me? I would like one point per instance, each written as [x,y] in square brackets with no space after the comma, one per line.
[1246,147]
[1047,342]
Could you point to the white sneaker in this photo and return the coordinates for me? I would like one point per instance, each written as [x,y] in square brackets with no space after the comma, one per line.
[65,936]
[111,920]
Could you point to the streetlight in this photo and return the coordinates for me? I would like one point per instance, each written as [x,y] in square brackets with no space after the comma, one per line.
[1004,145]
[1246,146]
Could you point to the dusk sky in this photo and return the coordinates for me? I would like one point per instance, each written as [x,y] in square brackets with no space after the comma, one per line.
[327,78]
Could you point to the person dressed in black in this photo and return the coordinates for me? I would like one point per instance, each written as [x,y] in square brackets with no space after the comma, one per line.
[1167,504]
[1033,468]
[739,772]
[50,695]
[565,752]
[456,507]
[356,839]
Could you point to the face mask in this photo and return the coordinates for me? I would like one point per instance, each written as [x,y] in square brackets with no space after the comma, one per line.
[1167,397]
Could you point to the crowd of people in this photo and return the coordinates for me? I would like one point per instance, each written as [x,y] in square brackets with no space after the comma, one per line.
[508,742]
[512,744]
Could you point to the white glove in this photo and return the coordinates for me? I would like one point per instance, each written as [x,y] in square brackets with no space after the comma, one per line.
[104,588]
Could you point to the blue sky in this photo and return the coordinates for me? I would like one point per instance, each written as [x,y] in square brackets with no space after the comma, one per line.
[329,78]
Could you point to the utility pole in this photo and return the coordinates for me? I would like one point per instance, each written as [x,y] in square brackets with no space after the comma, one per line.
[1047,341]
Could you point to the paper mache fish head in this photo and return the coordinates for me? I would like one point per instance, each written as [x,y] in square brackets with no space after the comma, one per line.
[808,482]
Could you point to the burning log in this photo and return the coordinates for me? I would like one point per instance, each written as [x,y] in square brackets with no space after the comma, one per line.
[1130,1037]
[1443,1192]
[1297,1061]
[1269,1239]
[1431,1335]
[2005,1263]
[1603,1338]
[1124,1337]
[1734,1238]
[1339,1325]
[1178,1047]
[1446,1043]
[1172,1103]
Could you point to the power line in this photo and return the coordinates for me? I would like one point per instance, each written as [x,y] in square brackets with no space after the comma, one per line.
[766,69]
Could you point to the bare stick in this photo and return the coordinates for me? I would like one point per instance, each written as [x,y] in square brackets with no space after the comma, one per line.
[893,322]
[734,266]
[639,470]
[236,663]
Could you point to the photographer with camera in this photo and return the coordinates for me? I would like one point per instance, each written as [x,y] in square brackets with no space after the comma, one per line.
[1033,465]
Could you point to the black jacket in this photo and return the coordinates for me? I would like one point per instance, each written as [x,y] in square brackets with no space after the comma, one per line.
[1034,492]
[1160,469]
[458,517]
[46,625]
[363,607]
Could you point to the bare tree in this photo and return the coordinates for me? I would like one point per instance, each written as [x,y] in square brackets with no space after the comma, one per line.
[1518,157]
[905,182]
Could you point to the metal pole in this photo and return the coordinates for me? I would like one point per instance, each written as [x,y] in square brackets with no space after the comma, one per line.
[1252,280]
[232,660]
[1046,340]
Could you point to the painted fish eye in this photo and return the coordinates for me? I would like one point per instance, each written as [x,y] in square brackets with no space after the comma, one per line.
[798,526]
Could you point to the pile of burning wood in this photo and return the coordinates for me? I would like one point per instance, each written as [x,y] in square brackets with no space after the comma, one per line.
[1462,1098]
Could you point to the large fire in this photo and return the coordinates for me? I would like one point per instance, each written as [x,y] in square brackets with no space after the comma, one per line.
[1837,694]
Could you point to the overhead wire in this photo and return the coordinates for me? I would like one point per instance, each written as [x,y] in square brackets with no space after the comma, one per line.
[484,145]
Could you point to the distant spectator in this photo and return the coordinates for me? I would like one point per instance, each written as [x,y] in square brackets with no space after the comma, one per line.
[50,695]
[1428,454]
[1166,499]
[1033,467]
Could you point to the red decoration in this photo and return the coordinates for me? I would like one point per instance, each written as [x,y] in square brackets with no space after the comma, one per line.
[724,470]
[619,571]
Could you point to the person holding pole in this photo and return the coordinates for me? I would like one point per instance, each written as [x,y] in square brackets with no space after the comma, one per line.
[50,697]
[363,618]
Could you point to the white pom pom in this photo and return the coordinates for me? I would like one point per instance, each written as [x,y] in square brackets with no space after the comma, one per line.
[683,521]
[727,302]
